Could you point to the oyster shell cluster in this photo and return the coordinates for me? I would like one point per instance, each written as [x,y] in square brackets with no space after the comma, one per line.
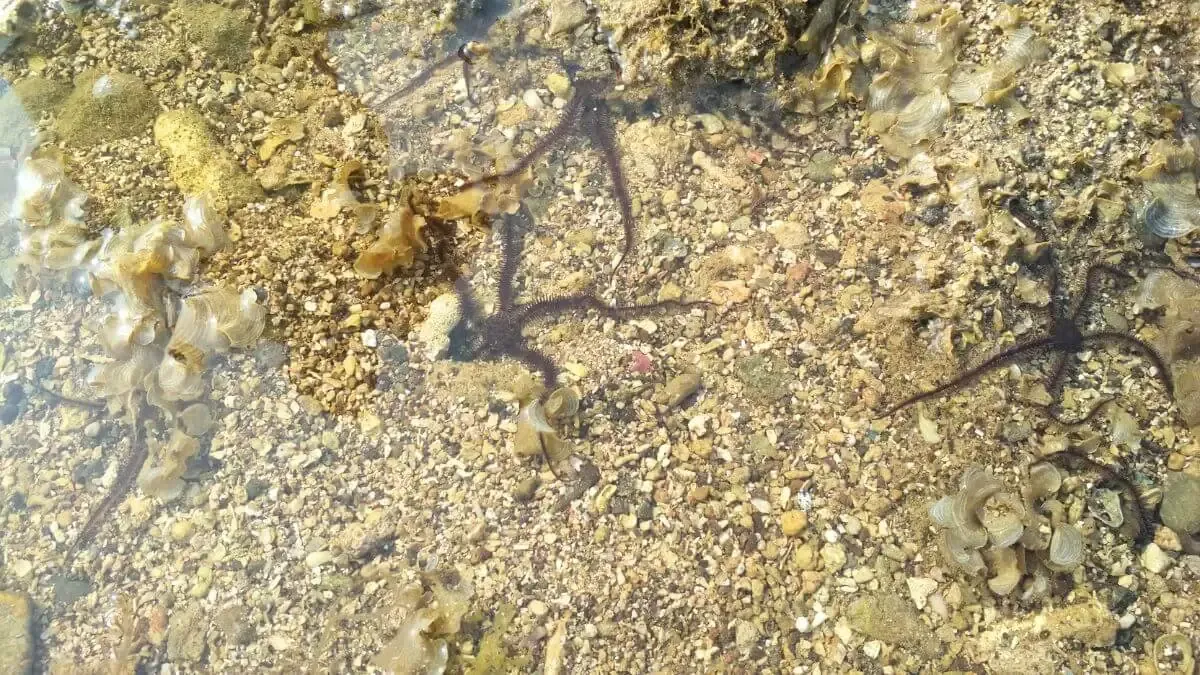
[987,529]
[158,332]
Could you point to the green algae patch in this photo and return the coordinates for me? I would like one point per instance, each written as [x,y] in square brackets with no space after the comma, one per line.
[221,32]
[199,164]
[105,107]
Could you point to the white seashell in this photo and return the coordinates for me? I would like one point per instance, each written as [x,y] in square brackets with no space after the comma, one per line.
[1106,506]
[1173,207]
[1044,480]
[122,377]
[1066,548]
[203,226]
[962,554]
[923,117]
[1003,517]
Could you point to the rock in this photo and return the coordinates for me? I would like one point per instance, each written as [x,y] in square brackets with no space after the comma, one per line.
[566,15]
[40,95]
[69,589]
[891,619]
[793,522]
[1088,622]
[234,622]
[805,556]
[16,633]
[1155,559]
[524,490]
[223,33]
[764,376]
[1180,508]
[105,107]
[789,234]
[834,555]
[199,164]
[187,635]
[919,589]
[680,387]
[443,314]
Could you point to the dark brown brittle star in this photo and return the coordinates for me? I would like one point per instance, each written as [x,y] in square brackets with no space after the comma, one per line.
[500,335]
[1066,339]
[586,115]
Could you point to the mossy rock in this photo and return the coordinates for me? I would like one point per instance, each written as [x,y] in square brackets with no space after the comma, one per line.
[221,32]
[199,164]
[105,107]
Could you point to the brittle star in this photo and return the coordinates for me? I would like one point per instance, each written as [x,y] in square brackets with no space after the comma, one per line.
[476,337]
[1065,337]
[586,115]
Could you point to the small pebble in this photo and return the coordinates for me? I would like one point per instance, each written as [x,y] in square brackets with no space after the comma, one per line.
[794,522]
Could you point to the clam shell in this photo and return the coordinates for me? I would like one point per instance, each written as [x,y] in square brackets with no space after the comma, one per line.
[1003,517]
[203,228]
[1171,211]
[122,377]
[978,485]
[162,477]
[923,117]
[1105,505]
[1039,585]
[1044,480]
[1066,548]
[180,376]
[1006,569]
[533,431]
[960,553]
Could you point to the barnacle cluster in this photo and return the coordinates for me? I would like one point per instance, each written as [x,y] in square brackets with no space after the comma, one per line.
[158,332]
[986,528]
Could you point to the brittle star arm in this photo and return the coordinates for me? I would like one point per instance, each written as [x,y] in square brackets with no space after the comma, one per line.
[599,128]
[1093,283]
[1151,354]
[537,361]
[421,78]
[566,126]
[574,304]
[510,257]
[1003,358]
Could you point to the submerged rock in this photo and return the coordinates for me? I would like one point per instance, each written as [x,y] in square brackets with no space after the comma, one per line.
[16,633]
[105,107]
[1180,508]
[199,164]
[222,33]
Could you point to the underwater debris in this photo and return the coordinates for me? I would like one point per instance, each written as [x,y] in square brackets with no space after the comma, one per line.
[1179,298]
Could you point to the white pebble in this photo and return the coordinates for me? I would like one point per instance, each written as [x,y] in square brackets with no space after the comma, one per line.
[368,339]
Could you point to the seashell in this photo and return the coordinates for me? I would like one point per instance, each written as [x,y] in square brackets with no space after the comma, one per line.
[1006,567]
[1170,213]
[940,511]
[532,431]
[179,374]
[121,377]
[978,485]
[197,419]
[400,239]
[162,478]
[961,553]
[1044,480]
[1174,651]
[1003,517]
[923,117]
[203,227]
[1038,586]
[1066,548]
[1022,49]
[1037,533]
[562,403]
[1105,505]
